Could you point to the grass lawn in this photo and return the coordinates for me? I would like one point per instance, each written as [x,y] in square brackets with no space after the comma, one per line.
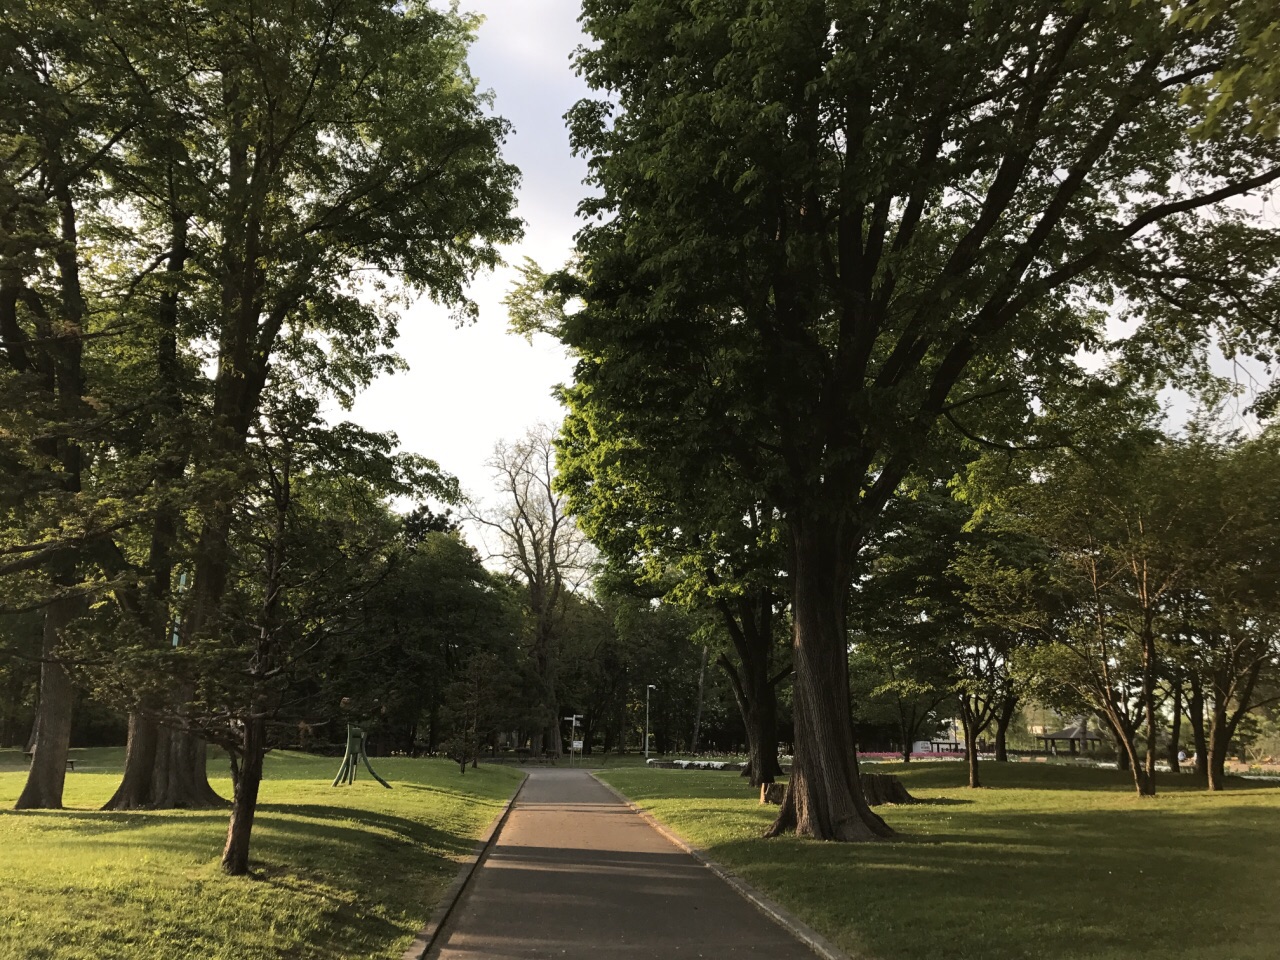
[1046,862]
[350,872]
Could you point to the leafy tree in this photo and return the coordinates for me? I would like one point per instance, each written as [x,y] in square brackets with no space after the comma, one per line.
[1250,78]
[710,549]
[436,606]
[814,220]
[259,187]
[1224,636]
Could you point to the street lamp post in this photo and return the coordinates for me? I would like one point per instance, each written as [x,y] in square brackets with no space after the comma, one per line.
[651,686]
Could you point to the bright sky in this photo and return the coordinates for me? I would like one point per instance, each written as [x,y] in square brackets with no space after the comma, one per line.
[468,388]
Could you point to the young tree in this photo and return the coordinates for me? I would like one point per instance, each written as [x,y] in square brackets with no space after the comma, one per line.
[813,220]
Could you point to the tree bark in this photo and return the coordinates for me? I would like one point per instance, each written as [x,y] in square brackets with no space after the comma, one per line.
[824,796]
[972,730]
[136,790]
[757,700]
[235,855]
[1127,748]
[1219,741]
[1008,709]
[749,621]
[180,779]
[45,779]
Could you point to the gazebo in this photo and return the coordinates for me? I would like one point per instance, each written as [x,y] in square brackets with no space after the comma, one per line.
[1078,735]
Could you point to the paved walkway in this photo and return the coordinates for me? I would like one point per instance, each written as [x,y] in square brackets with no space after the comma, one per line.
[577,874]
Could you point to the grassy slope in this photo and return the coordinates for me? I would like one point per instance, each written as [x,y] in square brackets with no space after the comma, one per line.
[347,872]
[1048,862]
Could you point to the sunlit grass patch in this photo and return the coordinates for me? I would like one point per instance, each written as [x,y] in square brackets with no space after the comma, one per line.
[338,872]
[1047,862]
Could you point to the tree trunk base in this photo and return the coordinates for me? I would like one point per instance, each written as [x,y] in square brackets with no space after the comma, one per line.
[878,788]
[882,788]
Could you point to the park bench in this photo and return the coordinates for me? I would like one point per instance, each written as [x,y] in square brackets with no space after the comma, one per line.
[30,755]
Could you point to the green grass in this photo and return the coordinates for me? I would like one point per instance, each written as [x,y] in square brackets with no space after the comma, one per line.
[1046,862]
[350,872]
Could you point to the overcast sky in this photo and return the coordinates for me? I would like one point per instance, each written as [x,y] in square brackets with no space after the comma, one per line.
[468,388]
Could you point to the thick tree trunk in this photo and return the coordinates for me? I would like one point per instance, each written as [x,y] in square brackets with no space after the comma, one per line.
[136,790]
[762,738]
[1142,780]
[1008,710]
[757,700]
[1219,742]
[824,796]
[235,856]
[749,621]
[180,778]
[43,789]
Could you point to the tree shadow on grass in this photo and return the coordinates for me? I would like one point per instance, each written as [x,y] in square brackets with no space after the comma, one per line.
[346,824]
[1140,880]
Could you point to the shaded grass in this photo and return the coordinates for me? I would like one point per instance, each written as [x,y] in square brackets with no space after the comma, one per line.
[1047,862]
[338,872]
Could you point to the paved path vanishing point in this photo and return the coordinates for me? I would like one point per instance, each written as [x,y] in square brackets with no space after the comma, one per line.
[577,874]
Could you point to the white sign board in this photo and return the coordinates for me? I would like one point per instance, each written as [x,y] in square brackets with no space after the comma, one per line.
[577,745]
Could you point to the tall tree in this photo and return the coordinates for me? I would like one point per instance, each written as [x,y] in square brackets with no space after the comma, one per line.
[538,541]
[814,218]
[709,549]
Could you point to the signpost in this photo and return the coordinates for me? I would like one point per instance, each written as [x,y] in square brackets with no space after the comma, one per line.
[575,745]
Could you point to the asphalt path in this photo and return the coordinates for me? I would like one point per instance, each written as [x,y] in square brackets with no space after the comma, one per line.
[577,874]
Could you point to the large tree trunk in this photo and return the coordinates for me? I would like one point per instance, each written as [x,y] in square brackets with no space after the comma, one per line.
[1219,741]
[235,856]
[43,789]
[136,791]
[1127,754]
[180,779]
[1008,709]
[824,797]
[749,621]
[757,700]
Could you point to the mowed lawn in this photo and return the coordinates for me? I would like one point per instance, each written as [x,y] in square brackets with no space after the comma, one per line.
[348,872]
[1047,862]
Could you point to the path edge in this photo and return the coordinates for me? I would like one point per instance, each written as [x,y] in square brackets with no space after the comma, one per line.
[810,937]
[426,937]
